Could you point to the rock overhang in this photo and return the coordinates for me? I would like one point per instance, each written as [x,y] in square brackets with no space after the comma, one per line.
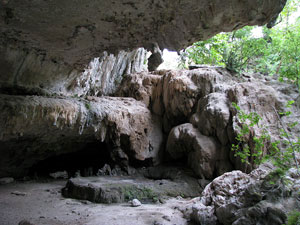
[73,32]
[44,45]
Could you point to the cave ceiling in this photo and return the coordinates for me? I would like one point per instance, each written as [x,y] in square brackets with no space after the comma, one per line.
[75,31]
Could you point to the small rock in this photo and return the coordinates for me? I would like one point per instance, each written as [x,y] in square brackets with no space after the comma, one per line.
[135,203]
[77,174]
[59,174]
[293,172]
[167,218]
[24,222]
[18,193]
[105,170]
[72,202]
[157,223]
[6,180]
[86,202]
[162,201]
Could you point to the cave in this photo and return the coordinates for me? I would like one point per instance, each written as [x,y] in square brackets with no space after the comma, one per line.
[80,89]
[87,161]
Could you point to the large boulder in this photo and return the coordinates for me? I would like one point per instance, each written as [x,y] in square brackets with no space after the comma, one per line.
[119,189]
[238,198]
[213,115]
[202,152]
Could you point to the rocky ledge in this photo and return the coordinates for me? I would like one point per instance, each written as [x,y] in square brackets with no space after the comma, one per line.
[151,185]
[184,116]
[35,128]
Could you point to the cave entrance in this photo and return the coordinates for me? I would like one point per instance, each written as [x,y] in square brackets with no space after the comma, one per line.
[88,160]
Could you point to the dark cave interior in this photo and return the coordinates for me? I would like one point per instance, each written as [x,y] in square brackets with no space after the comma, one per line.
[88,161]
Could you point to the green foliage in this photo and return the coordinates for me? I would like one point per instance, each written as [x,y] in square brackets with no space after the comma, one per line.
[242,149]
[284,52]
[277,52]
[293,218]
[88,105]
[143,194]
[281,157]
[274,176]
[233,50]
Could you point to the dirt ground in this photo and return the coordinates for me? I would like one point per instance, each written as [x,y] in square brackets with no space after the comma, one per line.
[41,202]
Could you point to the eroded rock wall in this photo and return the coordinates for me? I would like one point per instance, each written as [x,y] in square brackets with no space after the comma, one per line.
[59,51]
[28,72]
[34,128]
[178,115]
[46,46]
[198,116]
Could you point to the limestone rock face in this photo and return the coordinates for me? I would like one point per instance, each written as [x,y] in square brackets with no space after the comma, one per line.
[75,32]
[34,128]
[85,48]
[213,115]
[174,95]
[192,108]
[55,55]
[201,151]
[238,198]
[145,87]
[264,101]
[28,73]
[203,98]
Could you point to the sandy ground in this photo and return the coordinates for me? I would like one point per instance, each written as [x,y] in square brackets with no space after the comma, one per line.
[41,203]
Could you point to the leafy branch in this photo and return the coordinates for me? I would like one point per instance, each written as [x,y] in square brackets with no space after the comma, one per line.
[281,157]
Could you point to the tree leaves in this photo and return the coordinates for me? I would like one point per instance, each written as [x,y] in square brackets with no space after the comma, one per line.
[277,52]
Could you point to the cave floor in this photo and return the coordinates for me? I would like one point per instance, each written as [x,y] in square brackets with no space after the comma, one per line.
[41,202]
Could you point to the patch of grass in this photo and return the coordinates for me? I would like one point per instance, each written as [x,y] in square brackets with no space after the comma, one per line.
[293,218]
[88,105]
[143,193]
